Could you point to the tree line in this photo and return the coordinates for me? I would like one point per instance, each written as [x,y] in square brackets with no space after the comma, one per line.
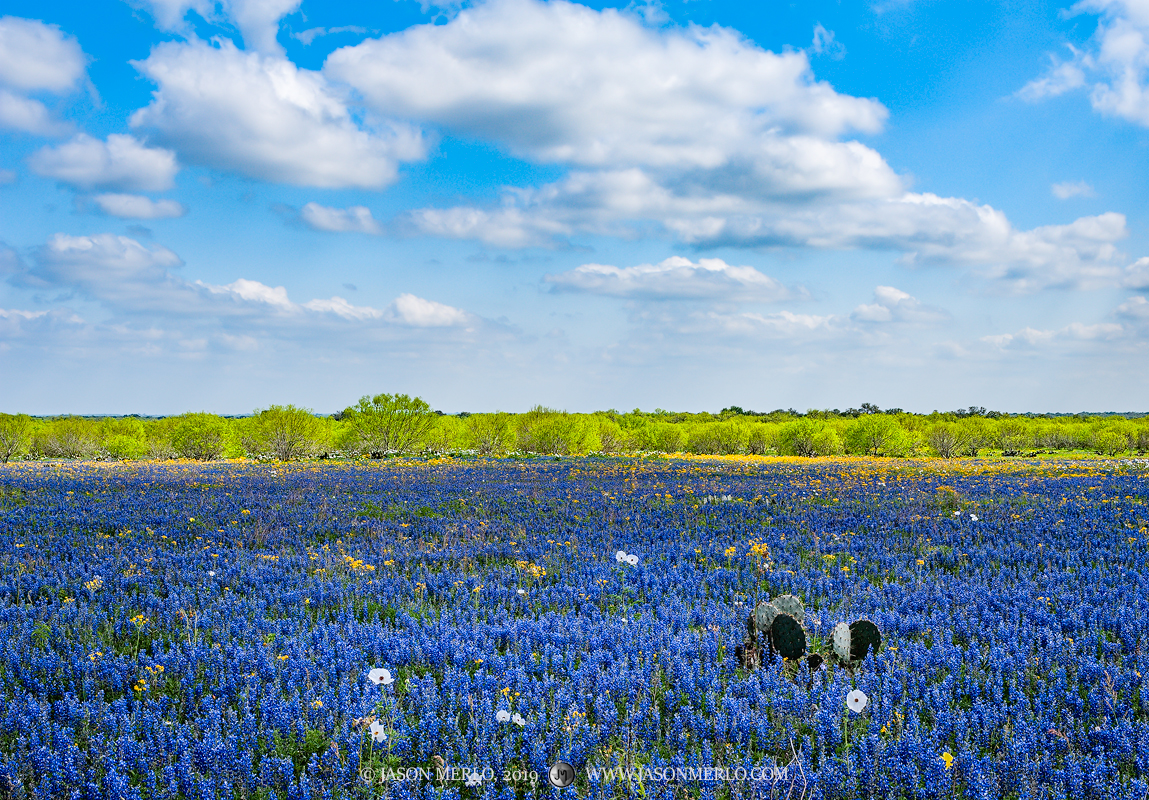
[395,424]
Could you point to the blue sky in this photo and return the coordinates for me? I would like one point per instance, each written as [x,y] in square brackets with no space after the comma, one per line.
[686,205]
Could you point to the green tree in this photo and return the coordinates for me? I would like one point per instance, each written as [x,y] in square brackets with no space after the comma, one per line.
[549,432]
[200,436]
[808,437]
[876,435]
[948,439]
[67,437]
[490,434]
[15,435]
[285,433]
[388,423]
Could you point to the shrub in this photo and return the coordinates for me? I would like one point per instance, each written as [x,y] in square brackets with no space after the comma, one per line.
[808,437]
[877,435]
[285,433]
[15,435]
[388,423]
[490,434]
[66,437]
[549,432]
[122,445]
[200,436]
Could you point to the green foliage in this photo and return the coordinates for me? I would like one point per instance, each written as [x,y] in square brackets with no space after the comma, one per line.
[66,437]
[549,432]
[877,435]
[490,434]
[15,435]
[388,423]
[200,436]
[808,437]
[285,433]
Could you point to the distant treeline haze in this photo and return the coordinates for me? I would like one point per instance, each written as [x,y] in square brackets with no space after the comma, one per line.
[388,424]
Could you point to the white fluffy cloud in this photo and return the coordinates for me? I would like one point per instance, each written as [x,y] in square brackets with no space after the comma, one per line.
[703,109]
[257,20]
[1115,67]
[894,305]
[1075,332]
[38,57]
[356,219]
[407,309]
[122,162]
[675,277]
[264,117]
[1136,308]
[27,114]
[134,206]
[35,57]
[135,281]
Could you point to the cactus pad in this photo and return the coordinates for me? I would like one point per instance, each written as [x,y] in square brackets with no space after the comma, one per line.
[840,641]
[789,604]
[814,661]
[865,638]
[764,614]
[787,636]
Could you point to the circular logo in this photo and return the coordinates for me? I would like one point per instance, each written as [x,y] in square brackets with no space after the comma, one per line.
[561,775]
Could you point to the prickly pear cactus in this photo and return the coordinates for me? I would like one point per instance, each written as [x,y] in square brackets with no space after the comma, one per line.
[814,661]
[865,638]
[840,641]
[764,614]
[789,604]
[787,636]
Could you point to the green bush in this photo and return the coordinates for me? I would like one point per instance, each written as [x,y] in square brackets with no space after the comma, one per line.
[808,437]
[15,436]
[125,446]
[388,423]
[877,435]
[490,434]
[549,432]
[285,433]
[200,436]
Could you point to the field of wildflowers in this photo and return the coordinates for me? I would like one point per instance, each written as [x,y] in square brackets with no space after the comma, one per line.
[450,629]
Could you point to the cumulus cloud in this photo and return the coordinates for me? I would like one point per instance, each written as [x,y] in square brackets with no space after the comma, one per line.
[1036,338]
[38,57]
[265,118]
[560,82]
[122,162]
[354,219]
[134,206]
[1115,67]
[1136,275]
[1068,189]
[35,57]
[894,305]
[26,114]
[134,281]
[675,277]
[257,20]
[1136,308]
[407,309]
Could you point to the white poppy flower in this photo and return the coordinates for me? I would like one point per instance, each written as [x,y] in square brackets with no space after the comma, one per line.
[518,720]
[211,573]
[502,715]
[378,732]
[620,556]
[857,700]
[522,591]
[380,677]
[973,517]
[632,559]
[957,513]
